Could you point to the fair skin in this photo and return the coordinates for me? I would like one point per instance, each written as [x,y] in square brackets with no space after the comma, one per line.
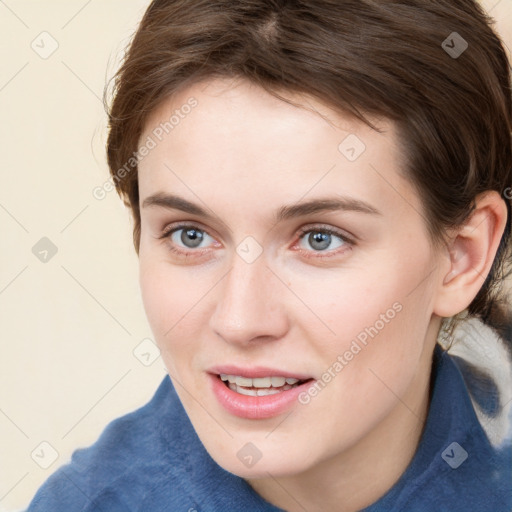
[242,154]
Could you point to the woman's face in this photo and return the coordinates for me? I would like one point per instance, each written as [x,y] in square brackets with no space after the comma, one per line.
[295,250]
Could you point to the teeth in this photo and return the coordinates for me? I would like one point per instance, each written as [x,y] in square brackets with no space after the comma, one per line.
[277,382]
[264,382]
[246,391]
[261,386]
[257,392]
[243,381]
[265,392]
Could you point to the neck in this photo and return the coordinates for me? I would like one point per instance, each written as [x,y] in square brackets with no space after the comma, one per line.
[358,477]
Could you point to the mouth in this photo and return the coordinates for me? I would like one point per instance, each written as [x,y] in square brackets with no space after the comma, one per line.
[259,396]
[260,386]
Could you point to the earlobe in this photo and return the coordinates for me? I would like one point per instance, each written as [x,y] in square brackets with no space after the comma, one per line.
[472,250]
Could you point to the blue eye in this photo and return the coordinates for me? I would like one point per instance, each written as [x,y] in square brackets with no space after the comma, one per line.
[186,239]
[325,242]
[191,238]
[321,239]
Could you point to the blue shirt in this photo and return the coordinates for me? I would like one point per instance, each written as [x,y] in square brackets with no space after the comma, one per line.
[152,460]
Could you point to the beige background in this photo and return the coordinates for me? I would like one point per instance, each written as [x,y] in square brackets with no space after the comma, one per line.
[72,325]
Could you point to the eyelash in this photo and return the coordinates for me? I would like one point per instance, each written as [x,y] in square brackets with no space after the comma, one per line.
[348,243]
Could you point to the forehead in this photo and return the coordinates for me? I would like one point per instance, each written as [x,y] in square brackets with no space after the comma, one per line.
[237,105]
[243,143]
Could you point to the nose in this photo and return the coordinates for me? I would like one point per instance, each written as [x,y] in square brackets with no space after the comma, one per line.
[250,306]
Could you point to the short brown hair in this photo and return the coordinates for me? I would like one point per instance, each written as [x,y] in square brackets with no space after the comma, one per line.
[437,69]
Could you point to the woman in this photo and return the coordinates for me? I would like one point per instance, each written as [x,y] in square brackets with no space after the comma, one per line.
[321,205]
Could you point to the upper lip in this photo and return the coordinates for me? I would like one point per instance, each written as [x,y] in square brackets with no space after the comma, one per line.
[256,372]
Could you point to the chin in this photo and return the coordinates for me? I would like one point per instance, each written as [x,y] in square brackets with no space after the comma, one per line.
[252,462]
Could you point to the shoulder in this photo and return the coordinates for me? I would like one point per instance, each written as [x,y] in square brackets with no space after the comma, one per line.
[466,474]
[456,466]
[484,357]
[133,453]
[467,470]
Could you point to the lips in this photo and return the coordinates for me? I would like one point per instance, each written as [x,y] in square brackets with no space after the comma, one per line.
[256,371]
[256,393]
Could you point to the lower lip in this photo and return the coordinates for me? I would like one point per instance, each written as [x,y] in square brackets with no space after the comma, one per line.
[255,407]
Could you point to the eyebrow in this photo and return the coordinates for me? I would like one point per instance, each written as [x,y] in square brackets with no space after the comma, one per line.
[312,206]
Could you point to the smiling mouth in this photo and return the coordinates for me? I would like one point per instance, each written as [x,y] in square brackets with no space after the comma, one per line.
[261,386]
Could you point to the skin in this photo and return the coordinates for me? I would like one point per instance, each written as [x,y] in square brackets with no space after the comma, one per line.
[242,154]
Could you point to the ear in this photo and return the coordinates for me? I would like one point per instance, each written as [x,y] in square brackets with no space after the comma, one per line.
[470,254]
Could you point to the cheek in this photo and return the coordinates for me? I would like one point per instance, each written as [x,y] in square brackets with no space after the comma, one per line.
[156,297]
[174,301]
[378,317]
[365,303]
[380,327]
[166,299]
